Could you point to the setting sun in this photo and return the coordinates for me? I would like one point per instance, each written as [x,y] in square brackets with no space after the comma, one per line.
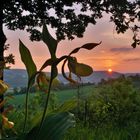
[109,70]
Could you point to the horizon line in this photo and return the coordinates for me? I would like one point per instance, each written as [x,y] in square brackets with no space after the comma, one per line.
[93,71]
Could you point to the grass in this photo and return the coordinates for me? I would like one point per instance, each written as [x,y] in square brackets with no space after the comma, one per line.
[81,132]
[65,95]
[62,95]
[84,133]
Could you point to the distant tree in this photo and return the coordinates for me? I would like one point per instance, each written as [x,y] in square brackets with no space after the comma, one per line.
[30,14]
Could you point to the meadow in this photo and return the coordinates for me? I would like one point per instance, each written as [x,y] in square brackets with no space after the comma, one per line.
[107,111]
[61,95]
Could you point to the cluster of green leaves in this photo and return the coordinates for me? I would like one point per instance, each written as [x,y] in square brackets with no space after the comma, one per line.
[114,104]
[111,112]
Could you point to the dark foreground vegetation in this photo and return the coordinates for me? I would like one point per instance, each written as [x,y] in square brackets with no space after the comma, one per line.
[111,110]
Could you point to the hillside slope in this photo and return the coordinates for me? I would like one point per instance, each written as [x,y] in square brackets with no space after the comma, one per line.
[18,77]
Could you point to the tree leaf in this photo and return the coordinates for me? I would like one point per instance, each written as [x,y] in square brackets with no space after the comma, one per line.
[54,127]
[79,69]
[49,41]
[27,59]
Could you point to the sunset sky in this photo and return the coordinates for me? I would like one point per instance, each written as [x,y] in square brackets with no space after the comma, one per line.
[115,52]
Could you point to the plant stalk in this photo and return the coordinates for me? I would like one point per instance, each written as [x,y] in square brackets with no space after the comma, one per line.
[26,109]
[47,102]
[26,100]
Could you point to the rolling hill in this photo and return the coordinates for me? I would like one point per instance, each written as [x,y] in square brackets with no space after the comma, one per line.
[18,77]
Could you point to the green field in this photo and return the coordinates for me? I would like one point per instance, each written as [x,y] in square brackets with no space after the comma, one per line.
[62,95]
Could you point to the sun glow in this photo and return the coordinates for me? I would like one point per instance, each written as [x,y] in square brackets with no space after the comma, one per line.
[109,70]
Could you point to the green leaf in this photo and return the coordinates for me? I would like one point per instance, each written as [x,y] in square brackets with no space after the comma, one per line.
[79,69]
[90,46]
[31,70]
[54,127]
[87,46]
[27,59]
[67,106]
[54,72]
[48,62]
[49,41]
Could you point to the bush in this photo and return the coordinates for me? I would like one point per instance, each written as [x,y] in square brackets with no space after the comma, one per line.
[117,103]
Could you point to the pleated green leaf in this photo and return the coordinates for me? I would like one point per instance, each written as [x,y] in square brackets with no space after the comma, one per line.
[27,59]
[54,127]
[88,46]
[67,106]
[49,41]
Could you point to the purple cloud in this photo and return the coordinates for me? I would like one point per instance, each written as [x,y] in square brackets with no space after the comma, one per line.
[121,49]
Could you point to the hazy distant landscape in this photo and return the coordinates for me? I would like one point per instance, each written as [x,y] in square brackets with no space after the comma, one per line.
[18,77]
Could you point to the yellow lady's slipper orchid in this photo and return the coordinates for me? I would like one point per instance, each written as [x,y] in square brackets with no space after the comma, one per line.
[6,123]
[3,87]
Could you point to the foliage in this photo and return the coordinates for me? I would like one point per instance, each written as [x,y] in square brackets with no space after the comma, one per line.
[113,105]
[117,103]
[67,21]
[56,124]
[112,113]
[27,60]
